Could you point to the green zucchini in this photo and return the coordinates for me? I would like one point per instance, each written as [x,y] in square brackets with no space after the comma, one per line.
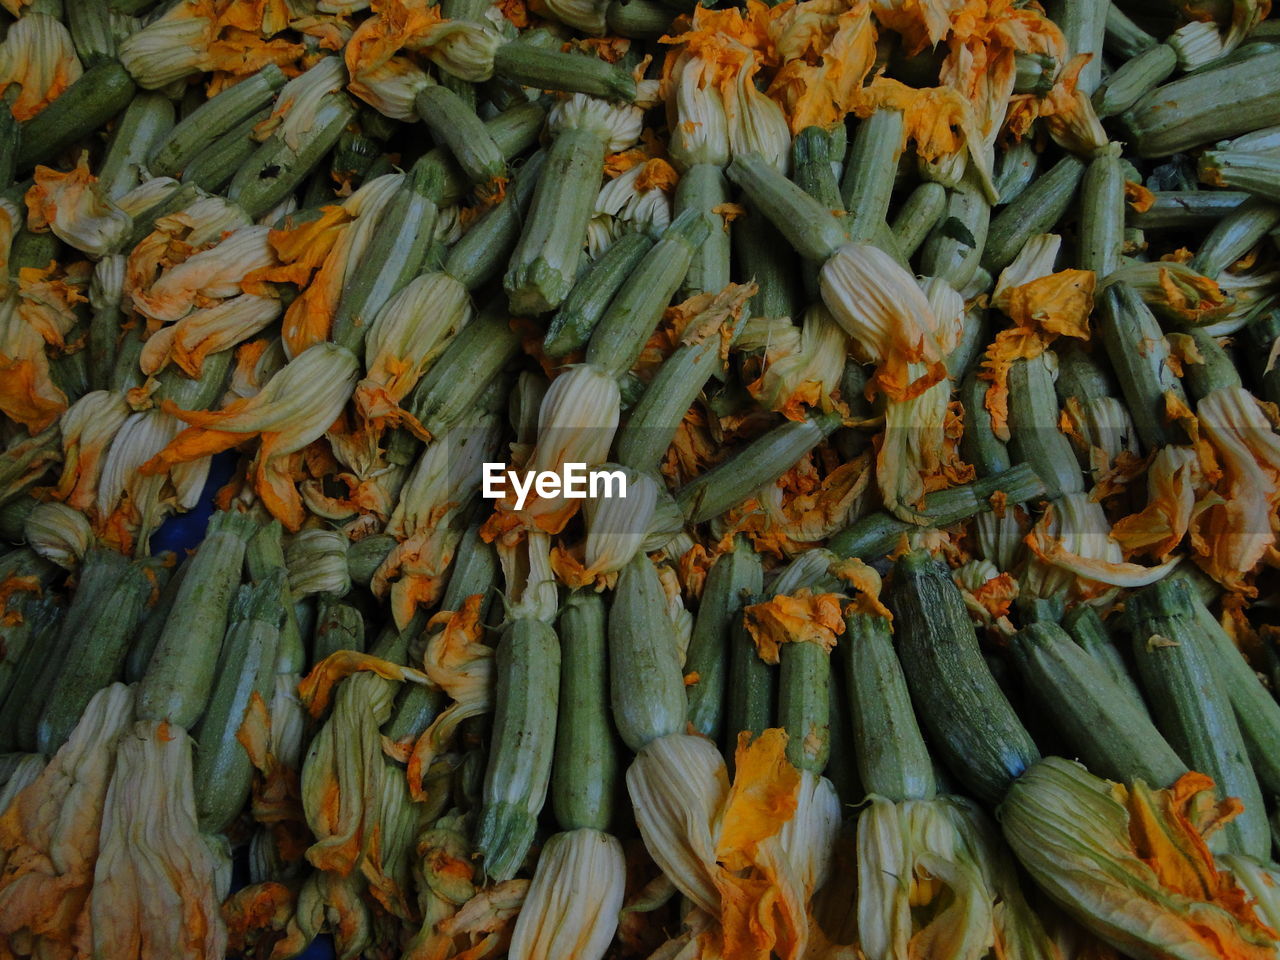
[646,684]
[979,444]
[919,214]
[954,248]
[180,674]
[1033,428]
[1102,210]
[518,775]
[734,574]
[1191,708]
[87,105]
[97,644]
[1035,210]
[703,187]
[1087,629]
[968,719]
[893,761]
[1112,734]
[573,323]
[752,686]
[804,710]
[585,771]
[144,122]
[222,773]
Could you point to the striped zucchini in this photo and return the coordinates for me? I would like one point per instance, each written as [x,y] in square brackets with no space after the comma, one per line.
[763,254]
[518,775]
[1113,734]
[1234,235]
[339,626]
[1016,169]
[979,444]
[454,124]
[215,117]
[634,312]
[1134,79]
[954,248]
[1033,428]
[28,619]
[734,575]
[893,761]
[1191,707]
[144,122]
[481,254]
[34,674]
[222,773]
[804,710]
[1035,210]
[968,719]
[98,640]
[263,555]
[1102,210]
[582,310]
[87,105]
[585,771]
[215,165]
[147,635]
[646,685]
[1256,710]
[180,674]
[752,687]
[870,172]
[1087,629]
[919,214]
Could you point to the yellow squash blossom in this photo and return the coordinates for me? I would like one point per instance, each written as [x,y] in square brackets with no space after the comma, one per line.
[719,845]
[208,330]
[460,663]
[571,909]
[1233,532]
[888,318]
[827,49]
[159,898]
[38,55]
[295,407]
[58,533]
[205,277]
[1131,864]
[617,527]
[802,617]
[28,394]
[405,338]
[49,835]
[73,207]
[176,45]
[805,377]
[1173,479]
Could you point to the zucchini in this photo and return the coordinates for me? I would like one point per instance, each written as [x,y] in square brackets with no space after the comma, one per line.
[520,750]
[144,122]
[26,684]
[1180,209]
[804,710]
[734,575]
[919,214]
[339,626]
[222,773]
[213,119]
[703,187]
[585,771]
[979,444]
[893,761]
[1190,706]
[1096,717]
[152,625]
[573,323]
[752,687]
[870,171]
[1035,210]
[1087,629]
[481,254]
[954,248]
[646,685]
[180,674]
[1102,210]
[98,641]
[1134,79]
[1033,428]
[87,105]
[968,719]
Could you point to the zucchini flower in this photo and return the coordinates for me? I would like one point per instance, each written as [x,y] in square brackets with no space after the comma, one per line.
[426,523]
[695,113]
[805,372]
[617,528]
[406,337]
[87,428]
[920,892]
[587,16]
[618,124]
[637,199]
[10,224]
[206,331]
[159,897]
[343,769]
[1131,864]
[1105,438]
[49,834]
[177,45]
[1173,479]
[212,274]
[530,588]
[391,88]
[38,55]
[75,209]
[296,105]
[1261,884]
[318,255]
[147,194]
[459,662]
[987,592]
[461,48]
[1074,555]
[576,424]
[28,394]
[58,533]
[809,838]
[827,50]
[293,409]
[1232,531]
[571,909]
[888,318]
[1174,291]
[130,506]
[720,845]
[317,563]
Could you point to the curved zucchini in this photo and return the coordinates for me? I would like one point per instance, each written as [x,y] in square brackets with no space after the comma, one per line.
[968,719]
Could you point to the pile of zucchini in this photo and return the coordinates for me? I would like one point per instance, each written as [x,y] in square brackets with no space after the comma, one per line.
[929,612]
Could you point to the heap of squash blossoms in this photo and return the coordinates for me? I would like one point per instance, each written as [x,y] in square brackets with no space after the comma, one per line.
[933,341]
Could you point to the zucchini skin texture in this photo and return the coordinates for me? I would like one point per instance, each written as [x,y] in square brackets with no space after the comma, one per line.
[969,722]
